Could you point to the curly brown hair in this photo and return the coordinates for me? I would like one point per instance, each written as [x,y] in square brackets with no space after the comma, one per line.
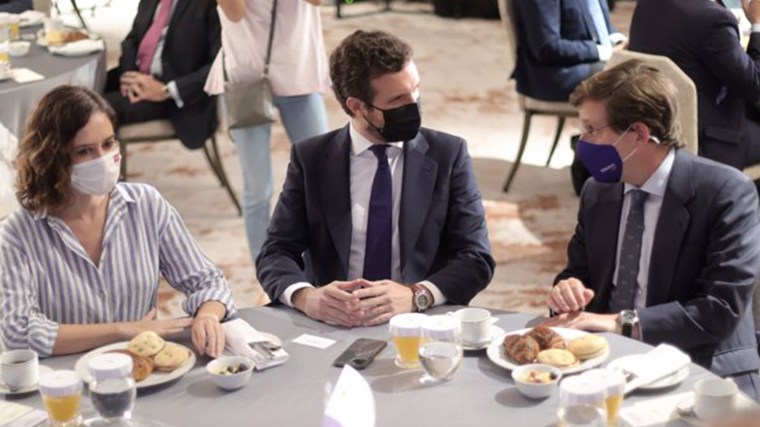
[635,92]
[362,57]
[43,164]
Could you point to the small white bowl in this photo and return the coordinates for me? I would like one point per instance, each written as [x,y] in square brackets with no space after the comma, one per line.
[533,390]
[230,381]
[19,48]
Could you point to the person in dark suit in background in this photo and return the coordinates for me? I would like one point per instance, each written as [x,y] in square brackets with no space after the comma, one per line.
[706,46]
[560,44]
[388,214]
[667,246]
[164,62]
[15,6]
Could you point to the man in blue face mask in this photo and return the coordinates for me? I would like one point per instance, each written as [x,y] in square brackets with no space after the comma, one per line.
[387,213]
[667,246]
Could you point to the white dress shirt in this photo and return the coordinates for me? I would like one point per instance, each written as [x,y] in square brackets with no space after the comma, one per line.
[655,187]
[363,165]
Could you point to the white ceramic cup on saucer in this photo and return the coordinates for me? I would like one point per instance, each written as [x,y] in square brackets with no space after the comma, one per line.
[476,325]
[714,397]
[19,368]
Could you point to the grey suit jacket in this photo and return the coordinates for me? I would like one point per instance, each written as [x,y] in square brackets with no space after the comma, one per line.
[704,262]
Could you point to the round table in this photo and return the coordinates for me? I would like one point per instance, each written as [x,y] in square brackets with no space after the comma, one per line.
[293,394]
[18,100]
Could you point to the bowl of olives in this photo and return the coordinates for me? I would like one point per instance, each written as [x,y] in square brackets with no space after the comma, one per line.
[230,372]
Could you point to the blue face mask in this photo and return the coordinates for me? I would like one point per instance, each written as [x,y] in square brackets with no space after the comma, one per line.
[602,160]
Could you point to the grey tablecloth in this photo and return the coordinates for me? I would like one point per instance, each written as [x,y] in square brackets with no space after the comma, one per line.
[480,394]
[18,100]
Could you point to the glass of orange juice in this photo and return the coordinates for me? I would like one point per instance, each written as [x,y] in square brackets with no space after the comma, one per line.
[614,380]
[406,336]
[62,396]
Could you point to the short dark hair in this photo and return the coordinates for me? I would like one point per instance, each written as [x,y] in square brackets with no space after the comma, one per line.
[44,157]
[362,57]
[635,92]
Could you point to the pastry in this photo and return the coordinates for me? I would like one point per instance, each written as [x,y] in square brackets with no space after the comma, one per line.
[588,346]
[146,344]
[171,357]
[547,338]
[142,366]
[557,357]
[521,348]
[74,36]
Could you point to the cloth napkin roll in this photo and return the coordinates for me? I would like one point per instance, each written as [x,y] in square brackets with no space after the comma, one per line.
[658,363]
[78,48]
[239,334]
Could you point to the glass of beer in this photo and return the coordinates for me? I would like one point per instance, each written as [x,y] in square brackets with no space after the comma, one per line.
[614,381]
[406,336]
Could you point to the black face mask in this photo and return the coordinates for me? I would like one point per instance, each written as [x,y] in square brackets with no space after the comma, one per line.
[401,123]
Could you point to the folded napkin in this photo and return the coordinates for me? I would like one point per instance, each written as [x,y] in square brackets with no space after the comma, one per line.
[31,17]
[239,334]
[351,403]
[658,363]
[78,48]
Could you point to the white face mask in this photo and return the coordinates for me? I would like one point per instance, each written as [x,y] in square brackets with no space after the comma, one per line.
[97,177]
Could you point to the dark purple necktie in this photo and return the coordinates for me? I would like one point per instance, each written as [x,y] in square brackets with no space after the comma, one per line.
[377,256]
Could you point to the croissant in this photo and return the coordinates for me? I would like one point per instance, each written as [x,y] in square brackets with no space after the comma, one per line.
[521,348]
[142,366]
[547,338]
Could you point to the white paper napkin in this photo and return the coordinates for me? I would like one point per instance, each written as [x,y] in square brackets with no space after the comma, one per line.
[238,334]
[78,48]
[652,412]
[351,403]
[31,17]
[25,75]
[658,363]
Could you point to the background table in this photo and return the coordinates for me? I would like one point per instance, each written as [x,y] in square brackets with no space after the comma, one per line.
[18,100]
[480,394]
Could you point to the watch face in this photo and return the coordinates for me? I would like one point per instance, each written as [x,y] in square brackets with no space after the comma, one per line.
[628,316]
[421,301]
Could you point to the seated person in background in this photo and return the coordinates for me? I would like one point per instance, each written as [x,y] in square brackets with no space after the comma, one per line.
[706,46]
[164,63]
[15,6]
[387,215]
[667,246]
[560,44]
[80,261]
[8,148]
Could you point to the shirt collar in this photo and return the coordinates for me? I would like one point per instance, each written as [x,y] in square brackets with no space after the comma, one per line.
[658,182]
[360,144]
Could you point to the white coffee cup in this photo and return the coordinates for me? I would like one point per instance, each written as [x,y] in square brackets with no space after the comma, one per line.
[19,368]
[714,397]
[476,325]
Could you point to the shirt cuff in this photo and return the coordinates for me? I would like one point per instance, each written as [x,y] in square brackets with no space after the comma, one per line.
[756,28]
[438,297]
[172,86]
[287,296]
[616,38]
[605,52]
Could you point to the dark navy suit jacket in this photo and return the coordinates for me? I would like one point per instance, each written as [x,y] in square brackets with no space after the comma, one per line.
[704,262]
[442,226]
[556,46]
[702,38]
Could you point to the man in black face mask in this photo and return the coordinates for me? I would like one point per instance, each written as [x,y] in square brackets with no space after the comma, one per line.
[382,216]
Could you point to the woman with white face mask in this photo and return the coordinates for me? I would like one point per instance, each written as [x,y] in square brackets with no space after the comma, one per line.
[80,261]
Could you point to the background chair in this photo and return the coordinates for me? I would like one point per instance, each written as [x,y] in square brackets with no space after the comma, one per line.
[162,130]
[687,91]
[530,106]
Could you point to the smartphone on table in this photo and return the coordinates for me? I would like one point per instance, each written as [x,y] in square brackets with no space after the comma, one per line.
[360,353]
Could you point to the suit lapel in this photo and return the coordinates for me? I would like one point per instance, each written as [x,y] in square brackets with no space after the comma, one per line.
[671,227]
[179,10]
[335,193]
[420,173]
[151,7]
[605,223]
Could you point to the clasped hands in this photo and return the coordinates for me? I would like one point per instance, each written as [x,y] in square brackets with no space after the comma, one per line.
[353,303]
[567,299]
[138,87]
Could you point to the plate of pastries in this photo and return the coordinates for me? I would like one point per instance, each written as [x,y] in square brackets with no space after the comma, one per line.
[60,38]
[154,360]
[570,350]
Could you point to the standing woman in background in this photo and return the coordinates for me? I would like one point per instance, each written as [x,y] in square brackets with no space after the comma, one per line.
[298,73]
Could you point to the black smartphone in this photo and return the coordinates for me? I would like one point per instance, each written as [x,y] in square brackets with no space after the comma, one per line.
[360,353]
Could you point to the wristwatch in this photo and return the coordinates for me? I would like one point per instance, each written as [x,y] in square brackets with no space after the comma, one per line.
[628,320]
[167,92]
[422,299]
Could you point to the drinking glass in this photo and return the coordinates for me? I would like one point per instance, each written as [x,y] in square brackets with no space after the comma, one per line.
[441,350]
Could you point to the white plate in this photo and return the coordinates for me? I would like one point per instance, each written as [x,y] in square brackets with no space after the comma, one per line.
[28,389]
[495,351]
[685,409]
[669,381]
[495,332]
[155,378]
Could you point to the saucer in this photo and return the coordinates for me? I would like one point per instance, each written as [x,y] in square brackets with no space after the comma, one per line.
[495,332]
[28,389]
[685,409]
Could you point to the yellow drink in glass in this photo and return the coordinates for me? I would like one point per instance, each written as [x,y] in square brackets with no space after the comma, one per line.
[407,351]
[613,409]
[62,396]
[406,335]
[63,408]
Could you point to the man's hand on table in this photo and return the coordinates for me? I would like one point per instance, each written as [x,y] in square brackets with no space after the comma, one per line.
[381,300]
[331,303]
[585,321]
[142,87]
[569,295]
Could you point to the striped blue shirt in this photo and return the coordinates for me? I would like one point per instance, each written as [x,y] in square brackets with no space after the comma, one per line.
[47,278]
